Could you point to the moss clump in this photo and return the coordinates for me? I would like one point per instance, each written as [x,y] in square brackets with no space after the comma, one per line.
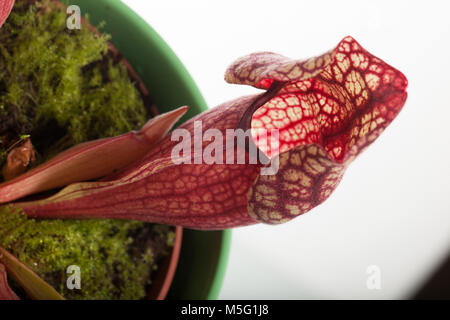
[58,85]
[62,87]
[112,267]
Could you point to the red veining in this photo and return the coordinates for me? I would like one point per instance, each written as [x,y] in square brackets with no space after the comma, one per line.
[327,110]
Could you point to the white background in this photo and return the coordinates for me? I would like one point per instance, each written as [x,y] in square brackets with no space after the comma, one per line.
[392,208]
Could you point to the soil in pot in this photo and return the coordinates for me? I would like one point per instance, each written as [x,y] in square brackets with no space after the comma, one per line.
[58,88]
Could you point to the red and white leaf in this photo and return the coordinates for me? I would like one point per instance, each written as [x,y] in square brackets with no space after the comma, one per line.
[327,109]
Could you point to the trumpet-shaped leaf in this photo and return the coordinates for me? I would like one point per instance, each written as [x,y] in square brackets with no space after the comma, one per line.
[325,111]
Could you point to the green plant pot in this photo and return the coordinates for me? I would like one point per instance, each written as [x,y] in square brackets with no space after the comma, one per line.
[204,254]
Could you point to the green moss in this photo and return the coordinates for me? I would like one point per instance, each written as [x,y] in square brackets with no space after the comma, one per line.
[101,248]
[60,81]
[63,88]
